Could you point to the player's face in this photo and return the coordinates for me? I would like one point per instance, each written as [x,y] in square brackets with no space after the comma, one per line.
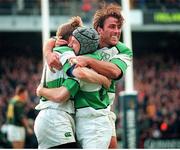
[74,44]
[110,33]
[24,95]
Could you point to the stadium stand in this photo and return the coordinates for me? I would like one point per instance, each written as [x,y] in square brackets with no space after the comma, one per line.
[155,4]
[65,7]
[157,82]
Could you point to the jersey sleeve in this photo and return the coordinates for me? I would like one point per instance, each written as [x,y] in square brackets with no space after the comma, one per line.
[123,58]
[72,85]
[66,66]
[117,60]
[65,53]
[66,56]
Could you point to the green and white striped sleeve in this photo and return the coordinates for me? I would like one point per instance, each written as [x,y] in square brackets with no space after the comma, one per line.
[123,58]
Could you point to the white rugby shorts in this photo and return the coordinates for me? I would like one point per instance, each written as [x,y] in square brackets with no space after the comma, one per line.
[54,127]
[112,118]
[93,128]
[15,133]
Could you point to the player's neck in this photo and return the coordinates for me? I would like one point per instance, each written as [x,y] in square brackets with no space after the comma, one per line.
[102,44]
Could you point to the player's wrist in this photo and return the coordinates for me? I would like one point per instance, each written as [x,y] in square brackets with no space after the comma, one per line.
[89,62]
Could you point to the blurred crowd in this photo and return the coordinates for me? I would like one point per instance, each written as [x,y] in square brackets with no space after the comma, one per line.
[69,7]
[155,4]
[14,71]
[157,81]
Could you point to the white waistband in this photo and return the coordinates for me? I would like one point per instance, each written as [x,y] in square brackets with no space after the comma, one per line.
[91,112]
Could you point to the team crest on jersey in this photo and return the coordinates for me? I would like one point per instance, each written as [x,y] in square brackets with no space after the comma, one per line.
[67,134]
[105,56]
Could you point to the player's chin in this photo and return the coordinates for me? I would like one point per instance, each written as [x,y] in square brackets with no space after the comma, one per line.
[114,42]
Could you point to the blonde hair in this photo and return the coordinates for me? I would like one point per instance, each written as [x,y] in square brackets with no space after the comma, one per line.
[107,10]
[65,30]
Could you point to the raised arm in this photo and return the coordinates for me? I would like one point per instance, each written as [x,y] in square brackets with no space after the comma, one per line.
[89,75]
[51,58]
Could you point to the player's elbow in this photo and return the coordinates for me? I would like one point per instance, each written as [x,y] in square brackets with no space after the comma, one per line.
[57,98]
[62,95]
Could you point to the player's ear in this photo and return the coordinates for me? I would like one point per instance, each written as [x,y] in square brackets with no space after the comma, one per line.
[69,39]
[99,30]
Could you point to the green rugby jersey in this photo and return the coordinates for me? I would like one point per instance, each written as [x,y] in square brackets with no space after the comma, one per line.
[58,79]
[90,94]
[95,96]
[119,55]
[16,111]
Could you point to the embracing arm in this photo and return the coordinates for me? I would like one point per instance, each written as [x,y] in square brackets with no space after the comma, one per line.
[68,89]
[54,94]
[113,69]
[107,69]
[89,75]
[48,46]
[51,58]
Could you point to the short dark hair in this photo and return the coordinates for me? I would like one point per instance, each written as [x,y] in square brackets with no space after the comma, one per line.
[20,89]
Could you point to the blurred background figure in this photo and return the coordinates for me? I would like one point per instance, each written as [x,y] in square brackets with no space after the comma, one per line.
[87,10]
[16,119]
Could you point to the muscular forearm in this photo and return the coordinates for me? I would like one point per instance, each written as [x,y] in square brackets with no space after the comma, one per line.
[90,75]
[55,94]
[107,69]
[48,46]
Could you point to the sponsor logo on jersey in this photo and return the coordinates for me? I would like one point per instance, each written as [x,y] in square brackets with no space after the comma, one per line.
[67,134]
